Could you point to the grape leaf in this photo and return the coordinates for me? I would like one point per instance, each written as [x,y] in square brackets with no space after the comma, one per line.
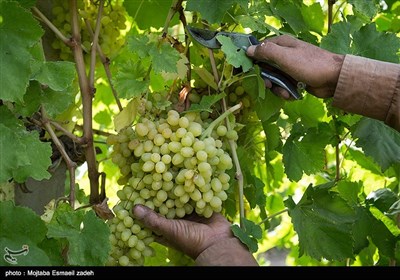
[382,199]
[292,13]
[369,42]
[58,75]
[379,141]
[149,13]
[323,222]
[235,56]
[268,107]
[364,161]
[367,8]
[22,226]
[339,39]
[385,232]
[210,10]
[313,16]
[248,234]
[129,80]
[305,153]
[16,38]
[205,103]
[254,191]
[164,58]
[137,43]
[206,76]
[309,109]
[23,155]
[39,154]
[87,235]
[127,115]
[349,191]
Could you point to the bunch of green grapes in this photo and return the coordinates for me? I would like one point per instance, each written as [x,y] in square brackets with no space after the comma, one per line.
[237,94]
[112,23]
[172,165]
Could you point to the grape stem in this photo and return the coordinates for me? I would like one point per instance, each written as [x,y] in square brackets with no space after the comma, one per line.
[239,174]
[207,133]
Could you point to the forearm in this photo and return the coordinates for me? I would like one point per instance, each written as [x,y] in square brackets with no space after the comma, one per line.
[370,88]
[229,252]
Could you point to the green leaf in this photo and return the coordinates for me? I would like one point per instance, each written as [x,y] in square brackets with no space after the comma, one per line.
[339,39]
[247,235]
[87,234]
[25,156]
[149,13]
[206,76]
[305,153]
[382,199]
[206,102]
[379,141]
[364,161]
[314,17]
[58,75]
[16,39]
[254,191]
[129,80]
[349,191]
[165,58]
[292,13]
[323,222]
[21,226]
[309,109]
[127,115]
[367,8]
[39,154]
[383,232]
[210,10]
[369,42]
[234,56]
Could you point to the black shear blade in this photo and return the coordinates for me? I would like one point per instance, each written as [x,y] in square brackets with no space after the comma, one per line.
[208,38]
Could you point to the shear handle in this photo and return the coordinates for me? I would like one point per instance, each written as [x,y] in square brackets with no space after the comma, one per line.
[274,75]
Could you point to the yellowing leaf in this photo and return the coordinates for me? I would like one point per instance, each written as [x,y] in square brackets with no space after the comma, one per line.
[127,115]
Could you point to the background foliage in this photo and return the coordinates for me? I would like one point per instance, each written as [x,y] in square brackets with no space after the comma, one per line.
[320,186]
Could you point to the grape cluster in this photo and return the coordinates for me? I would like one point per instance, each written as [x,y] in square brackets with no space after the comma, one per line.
[237,94]
[167,165]
[112,23]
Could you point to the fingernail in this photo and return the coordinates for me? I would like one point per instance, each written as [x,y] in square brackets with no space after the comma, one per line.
[250,50]
[138,211]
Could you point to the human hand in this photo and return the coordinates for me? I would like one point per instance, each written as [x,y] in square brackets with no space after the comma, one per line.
[191,235]
[319,69]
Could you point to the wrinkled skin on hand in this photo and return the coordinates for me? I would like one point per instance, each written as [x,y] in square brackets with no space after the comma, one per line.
[319,69]
[190,235]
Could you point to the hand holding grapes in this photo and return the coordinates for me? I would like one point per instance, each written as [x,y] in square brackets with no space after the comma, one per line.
[318,68]
[194,234]
[190,235]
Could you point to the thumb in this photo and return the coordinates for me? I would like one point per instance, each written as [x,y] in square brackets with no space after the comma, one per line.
[266,51]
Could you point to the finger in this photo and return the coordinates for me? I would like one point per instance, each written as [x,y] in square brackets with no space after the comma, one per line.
[268,83]
[150,219]
[266,51]
[281,92]
[284,40]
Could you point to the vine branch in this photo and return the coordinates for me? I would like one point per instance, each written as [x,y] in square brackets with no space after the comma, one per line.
[87,95]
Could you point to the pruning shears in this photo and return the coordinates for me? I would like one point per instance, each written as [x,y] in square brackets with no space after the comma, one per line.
[208,39]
